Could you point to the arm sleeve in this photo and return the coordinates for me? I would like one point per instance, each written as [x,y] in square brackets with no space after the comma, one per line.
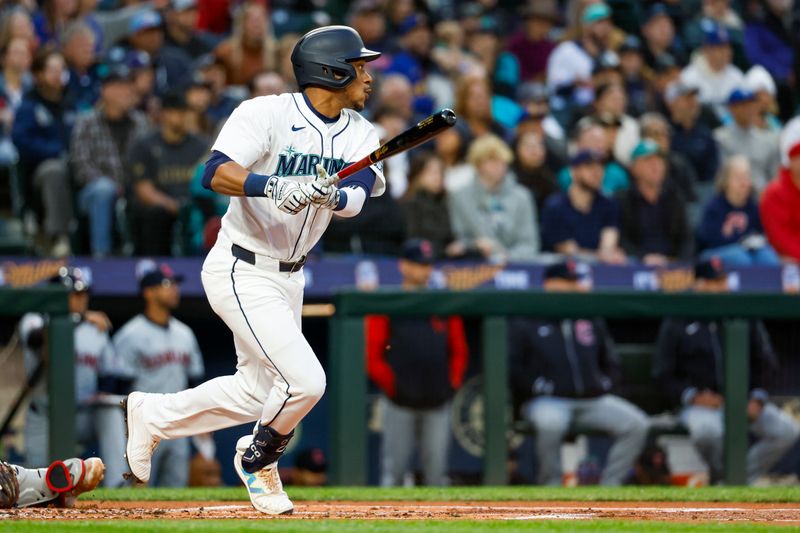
[351,201]
[377,335]
[245,137]
[459,352]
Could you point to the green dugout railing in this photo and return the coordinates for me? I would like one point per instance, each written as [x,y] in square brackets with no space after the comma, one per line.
[52,301]
[348,382]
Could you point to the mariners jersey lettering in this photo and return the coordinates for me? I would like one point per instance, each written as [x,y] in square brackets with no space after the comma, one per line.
[281,136]
[157,358]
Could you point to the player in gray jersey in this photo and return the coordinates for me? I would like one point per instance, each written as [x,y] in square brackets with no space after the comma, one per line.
[93,354]
[158,353]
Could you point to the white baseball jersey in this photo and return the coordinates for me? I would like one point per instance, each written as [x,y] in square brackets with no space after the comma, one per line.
[282,136]
[157,358]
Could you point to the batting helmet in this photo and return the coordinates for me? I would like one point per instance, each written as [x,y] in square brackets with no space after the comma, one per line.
[72,278]
[322,57]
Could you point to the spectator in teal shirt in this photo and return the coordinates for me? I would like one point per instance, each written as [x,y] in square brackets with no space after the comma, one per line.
[590,135]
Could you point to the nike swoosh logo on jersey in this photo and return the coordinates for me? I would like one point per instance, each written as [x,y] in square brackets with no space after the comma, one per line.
[295,128]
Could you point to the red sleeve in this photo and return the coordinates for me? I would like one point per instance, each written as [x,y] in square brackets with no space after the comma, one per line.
[376,332]
[776,217]
[459,352]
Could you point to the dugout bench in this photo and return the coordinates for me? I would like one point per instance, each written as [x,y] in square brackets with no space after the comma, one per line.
[348,382]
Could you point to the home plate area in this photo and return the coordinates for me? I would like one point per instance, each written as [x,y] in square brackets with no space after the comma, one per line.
[346,510]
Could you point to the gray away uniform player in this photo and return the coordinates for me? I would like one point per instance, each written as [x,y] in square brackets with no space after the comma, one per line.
[273,157]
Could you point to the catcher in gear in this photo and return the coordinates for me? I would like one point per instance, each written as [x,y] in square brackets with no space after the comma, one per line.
[59,485]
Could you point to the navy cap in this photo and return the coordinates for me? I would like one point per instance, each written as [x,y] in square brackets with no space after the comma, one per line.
[740,95]
[418,251]
[566,270]
[116,73]
[412,22]
[144,20]
[73,278]
[714,34]
[157,276]
[174,100]
[312,459]
[585,157]
[711,269]
[656,10]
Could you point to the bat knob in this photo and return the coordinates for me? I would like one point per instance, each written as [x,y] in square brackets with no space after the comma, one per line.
[448,115]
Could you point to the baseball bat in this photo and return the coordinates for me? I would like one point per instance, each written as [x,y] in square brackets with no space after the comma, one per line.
[414,136]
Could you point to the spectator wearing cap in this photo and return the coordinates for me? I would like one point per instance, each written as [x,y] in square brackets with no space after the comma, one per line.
[412,60]
[563,374]
[531,168]
[161,165]
[688,368]
[570,65]
[780,203]
[533,43]
[768,43]
[722,14]
[653,222]
[501,66]
[690,135]
[98,146]
[610,103]
[631,65]
[251,47]
[494,215]
[660,39]
[731,225]
[425,206]
[590,134]
[711,71]
[680,172]
[157,353]
[146,34]
[582,221]
[180,29]
[40,133]
[415,405]
[741,136]
[760,82]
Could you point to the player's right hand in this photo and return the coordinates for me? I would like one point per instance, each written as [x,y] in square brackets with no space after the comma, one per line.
[289,196]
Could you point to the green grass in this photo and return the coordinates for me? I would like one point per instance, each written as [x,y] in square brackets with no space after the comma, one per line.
[382,526]
[515,493]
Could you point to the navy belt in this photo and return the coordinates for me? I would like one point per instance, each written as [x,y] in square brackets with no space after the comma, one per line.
[250,257]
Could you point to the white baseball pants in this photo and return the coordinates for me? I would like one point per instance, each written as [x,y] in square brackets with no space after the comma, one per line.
[278,378]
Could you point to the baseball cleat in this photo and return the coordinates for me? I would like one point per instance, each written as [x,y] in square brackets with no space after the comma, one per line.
[264,486]
[82,476]
[141,444]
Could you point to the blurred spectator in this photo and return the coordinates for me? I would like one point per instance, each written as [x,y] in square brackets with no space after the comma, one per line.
[83,88]
[758,80]
[451,148]
[535,102]
[413,62]
[17,22]
[500,67]
[533,43]
[569,68]
[265,83]
[396,93]
[157,353]
[494,215]
[590,135]
[284,59]
[198,99]
[161,165]
[214,16]
[531,170]
[212,71]
[653,224]
[731,226]
[15,79]
[41,134]
[366,17]
[425,206]
[251,47]
[717,13]
[610,103]
[562,375]
[631,64]
[741,136]
[689,135]
[53,18]
[171,65]
[143,78]
[449,52]
[680,173]
[780,203]
[711,70]
[582,220]
[98,146]
[658,32]
[415,406]
[688,367]
[665,72]
[390,122]
[180,29]
[474,109]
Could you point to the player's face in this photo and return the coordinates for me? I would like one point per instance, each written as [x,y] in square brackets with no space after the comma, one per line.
[78,302]
[415,275]
[359,89]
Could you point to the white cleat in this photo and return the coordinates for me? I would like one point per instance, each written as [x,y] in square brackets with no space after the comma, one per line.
[141,443]
[264,487]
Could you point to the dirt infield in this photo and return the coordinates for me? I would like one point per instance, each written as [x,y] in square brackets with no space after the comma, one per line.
[787,514]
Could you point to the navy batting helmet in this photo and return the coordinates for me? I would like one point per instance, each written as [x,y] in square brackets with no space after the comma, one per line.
[322,57]
[72,278]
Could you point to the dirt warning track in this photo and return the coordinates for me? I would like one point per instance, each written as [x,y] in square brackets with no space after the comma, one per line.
[777,513]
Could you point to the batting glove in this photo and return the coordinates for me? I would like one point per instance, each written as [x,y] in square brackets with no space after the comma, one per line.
[322,191]
[289,196]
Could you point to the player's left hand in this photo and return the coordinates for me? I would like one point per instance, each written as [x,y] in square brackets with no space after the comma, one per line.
[322,191]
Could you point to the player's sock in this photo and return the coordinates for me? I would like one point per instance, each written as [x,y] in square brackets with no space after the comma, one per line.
[267,446]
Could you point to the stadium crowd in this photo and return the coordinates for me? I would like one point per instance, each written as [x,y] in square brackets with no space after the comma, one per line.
[621,132]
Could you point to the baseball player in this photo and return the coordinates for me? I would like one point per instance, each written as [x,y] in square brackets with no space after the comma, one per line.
[157,353]
[60,484]
[275,156]
[93,355]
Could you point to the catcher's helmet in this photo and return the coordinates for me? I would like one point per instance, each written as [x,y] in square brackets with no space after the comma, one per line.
[72,278]
[322,57]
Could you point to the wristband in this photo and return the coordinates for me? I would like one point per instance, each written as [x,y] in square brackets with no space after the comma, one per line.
[256,184]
